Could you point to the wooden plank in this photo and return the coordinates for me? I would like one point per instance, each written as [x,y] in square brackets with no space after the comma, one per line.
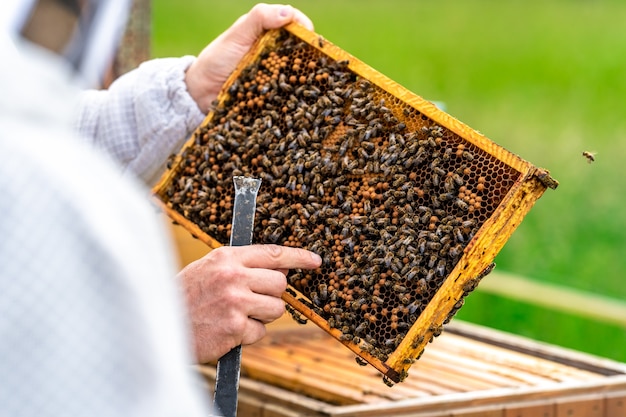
[490,412]
[436,374]
[319,382]
[304,359]
[268,394]
[331,364]
[556,297]
[271,410]
[615,404]
[567,393]
[249,406]
[530,410]
[528,368]
[313,383]
[591,406]
[365,381]
[427,383]
[557,354]
[484,370]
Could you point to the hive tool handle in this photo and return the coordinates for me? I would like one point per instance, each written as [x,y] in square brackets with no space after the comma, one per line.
[229,365]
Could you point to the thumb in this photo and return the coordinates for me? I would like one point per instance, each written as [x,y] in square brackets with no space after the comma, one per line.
[249,27]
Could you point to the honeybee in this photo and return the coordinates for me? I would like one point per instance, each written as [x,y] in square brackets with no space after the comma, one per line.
[360,361]
[591,156]
[436,329]
[296,315]
[470,285]
[316,299]
[362,327]
[418,340]
[388,381]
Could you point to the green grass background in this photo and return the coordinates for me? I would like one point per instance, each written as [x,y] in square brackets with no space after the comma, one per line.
[544,79]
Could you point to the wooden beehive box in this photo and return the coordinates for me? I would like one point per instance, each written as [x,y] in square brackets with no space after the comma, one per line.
[470,371]
[407,206]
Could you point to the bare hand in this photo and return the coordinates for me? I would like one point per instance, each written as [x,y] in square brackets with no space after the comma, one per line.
[232,292]
[205,77]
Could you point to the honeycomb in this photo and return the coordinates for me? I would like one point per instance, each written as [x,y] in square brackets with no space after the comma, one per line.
[389,197]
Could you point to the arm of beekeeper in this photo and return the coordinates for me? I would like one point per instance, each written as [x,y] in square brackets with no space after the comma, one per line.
[143,117]
[147,114]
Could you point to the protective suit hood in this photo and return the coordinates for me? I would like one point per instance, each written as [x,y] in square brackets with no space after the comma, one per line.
[93,42]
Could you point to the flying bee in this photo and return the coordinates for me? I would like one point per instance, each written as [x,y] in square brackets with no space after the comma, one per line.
[591,156]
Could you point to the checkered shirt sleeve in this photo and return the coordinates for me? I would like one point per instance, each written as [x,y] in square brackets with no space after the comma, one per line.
[144,116]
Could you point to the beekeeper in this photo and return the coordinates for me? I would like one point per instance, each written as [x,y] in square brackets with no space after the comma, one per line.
[92,319]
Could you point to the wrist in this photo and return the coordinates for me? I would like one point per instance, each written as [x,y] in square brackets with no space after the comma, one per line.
[200,87]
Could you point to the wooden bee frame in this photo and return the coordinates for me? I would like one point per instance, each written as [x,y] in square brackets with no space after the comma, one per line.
[450,196]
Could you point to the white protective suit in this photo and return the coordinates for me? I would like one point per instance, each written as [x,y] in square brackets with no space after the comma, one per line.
[91,320]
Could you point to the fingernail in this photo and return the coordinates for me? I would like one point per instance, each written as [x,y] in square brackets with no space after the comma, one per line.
[316,258]
[284,11]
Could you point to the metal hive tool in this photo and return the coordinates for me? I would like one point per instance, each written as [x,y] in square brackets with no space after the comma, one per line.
[407,206]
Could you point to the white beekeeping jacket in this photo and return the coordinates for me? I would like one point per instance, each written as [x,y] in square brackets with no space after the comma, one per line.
[144,116]
[91,320]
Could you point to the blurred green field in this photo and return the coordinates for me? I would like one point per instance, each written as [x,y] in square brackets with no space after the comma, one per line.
[544,79]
